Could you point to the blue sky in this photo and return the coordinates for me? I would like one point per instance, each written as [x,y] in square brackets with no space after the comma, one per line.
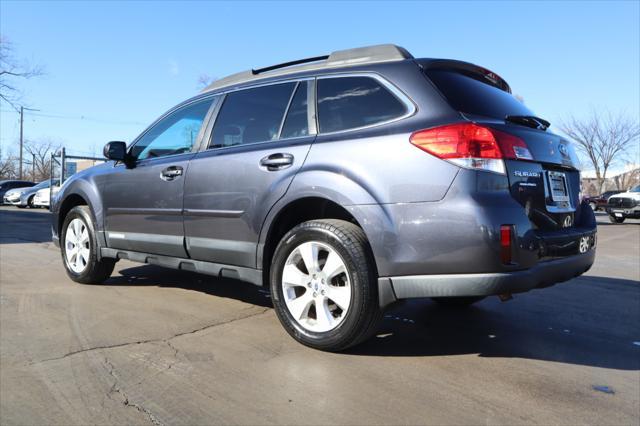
[113,67]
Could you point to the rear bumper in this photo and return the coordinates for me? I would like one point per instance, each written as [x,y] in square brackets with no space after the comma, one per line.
[544,274]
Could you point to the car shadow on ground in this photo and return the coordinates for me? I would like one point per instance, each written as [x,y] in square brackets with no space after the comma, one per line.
[590,321]
[19,226]
[551,327]
[151,275]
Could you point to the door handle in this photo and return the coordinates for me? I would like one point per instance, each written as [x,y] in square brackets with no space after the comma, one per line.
[171,172]
[277,161]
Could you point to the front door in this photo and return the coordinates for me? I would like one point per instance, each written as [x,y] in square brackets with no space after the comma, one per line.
[143,204]
[260,138]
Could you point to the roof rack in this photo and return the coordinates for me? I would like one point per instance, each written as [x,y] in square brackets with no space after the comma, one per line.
[340,58]
[289,64]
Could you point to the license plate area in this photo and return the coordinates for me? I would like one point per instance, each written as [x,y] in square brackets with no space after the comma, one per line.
[558,186]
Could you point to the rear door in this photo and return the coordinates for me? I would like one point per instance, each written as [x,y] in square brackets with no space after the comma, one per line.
[143,204]
[260,138]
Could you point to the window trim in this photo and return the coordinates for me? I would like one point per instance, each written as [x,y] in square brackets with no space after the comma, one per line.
[410,106]
[206,146]
[201,133]
[286,110]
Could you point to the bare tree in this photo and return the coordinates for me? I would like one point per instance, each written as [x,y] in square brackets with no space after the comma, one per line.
[630,174]
[603,138]
[625,180]
[39,157]
[11,71]
[8,165]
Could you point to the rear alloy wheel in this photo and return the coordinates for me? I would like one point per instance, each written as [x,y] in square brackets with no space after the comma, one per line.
[317,297]
[80,248]
[614,219]
[324,285]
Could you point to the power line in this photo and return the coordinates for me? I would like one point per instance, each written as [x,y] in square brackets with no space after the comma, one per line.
[80,117]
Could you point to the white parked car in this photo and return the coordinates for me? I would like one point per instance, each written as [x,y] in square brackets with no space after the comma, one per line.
[624,205]
[41,199]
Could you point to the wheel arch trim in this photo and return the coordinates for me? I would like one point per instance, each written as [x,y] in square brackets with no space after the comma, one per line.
[374,230]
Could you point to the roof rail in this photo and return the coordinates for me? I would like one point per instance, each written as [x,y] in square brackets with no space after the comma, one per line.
[340,58]
[289,64]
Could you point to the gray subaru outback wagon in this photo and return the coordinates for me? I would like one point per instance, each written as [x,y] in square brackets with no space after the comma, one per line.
[344,182]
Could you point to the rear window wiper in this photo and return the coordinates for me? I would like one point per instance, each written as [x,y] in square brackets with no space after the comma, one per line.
[529,121]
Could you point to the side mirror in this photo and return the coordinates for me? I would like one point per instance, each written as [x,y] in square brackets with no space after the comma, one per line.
[115,151]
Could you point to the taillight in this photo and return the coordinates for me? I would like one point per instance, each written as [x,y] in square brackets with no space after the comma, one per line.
[512,147]
[471,145]
[505,243]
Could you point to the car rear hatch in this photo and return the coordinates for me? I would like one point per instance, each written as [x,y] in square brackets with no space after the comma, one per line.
[542,168]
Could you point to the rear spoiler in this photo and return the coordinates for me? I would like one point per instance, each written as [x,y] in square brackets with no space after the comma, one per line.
[474,71]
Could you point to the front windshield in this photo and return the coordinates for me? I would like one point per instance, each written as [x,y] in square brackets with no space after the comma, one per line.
[635,189]
[43,184]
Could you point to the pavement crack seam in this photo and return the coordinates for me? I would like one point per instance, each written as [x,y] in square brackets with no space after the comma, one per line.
[175,355]
[125,399]
[140,342]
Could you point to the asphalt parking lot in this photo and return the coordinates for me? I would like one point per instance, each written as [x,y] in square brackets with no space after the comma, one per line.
[156,346]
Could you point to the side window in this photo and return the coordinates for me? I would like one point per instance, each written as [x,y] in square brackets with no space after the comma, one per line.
[297,124]
[351,102]
[252,115]
[175,134]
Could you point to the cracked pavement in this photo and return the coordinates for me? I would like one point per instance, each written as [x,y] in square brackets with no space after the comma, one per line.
[162,347]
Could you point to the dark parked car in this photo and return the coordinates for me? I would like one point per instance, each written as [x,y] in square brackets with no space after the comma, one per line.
[6,185]
[344,182]
[599,202]
[23,197]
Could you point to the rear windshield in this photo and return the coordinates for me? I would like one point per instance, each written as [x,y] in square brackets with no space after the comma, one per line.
[472,96]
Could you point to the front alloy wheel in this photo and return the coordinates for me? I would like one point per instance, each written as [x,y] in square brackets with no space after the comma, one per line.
[80,248]
[76,246]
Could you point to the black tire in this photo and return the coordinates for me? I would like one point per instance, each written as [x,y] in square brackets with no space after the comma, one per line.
[363,315]
[457,302]
[30,202]
[614,219]
[96,271]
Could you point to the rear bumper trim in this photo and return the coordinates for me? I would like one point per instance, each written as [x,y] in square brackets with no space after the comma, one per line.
[543,274]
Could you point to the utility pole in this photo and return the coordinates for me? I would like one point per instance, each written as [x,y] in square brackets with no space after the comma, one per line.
[21,135]
[33,168]
[21,121]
